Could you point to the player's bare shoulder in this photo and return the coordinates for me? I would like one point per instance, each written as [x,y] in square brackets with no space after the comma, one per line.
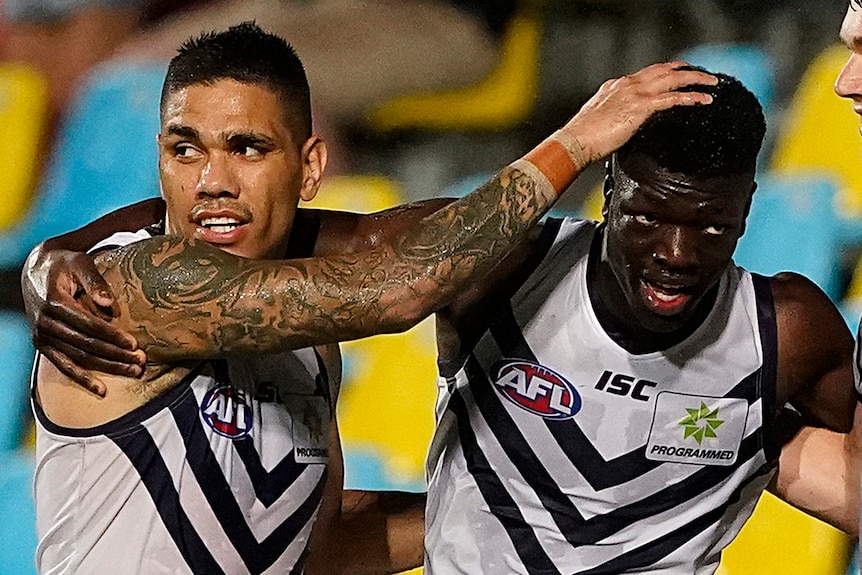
[814,342]
[804,312]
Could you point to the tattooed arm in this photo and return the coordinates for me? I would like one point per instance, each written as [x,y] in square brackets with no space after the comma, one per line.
[212,303]
[173,291]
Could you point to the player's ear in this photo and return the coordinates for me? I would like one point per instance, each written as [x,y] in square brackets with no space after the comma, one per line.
[314,157]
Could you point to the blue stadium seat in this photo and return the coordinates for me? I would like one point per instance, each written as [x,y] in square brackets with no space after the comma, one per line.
[853,569]
[793,227]
[18,527]
[16,357]
[748,63]
[106,156]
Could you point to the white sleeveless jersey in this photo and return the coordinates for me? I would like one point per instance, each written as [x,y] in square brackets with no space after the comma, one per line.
[558,452]
[222,474]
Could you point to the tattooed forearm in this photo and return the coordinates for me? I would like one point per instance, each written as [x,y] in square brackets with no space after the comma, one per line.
[184,299]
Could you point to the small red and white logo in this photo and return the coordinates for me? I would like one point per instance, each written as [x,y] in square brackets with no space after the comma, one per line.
[536,389]
[226,411]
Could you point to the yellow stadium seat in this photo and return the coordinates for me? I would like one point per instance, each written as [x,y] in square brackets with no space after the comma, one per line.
[505,97]
[821,131]
[781,539]
[357,193]
[23,115]
[386,405]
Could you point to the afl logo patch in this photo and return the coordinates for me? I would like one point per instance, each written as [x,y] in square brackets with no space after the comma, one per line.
[536,389]
[225,410]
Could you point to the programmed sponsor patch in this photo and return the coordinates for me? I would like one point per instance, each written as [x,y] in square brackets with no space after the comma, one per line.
[696,429]
[310,420]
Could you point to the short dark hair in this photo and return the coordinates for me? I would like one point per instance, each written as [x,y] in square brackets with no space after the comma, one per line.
[247,54]
[718,139]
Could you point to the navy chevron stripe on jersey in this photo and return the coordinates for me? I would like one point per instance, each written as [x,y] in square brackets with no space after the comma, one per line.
[507,333]
[144,454]
[597,471]
[769,343]
[268,485]
[665,545]
[573,526]
[586,456]
[498,499]
[257,555]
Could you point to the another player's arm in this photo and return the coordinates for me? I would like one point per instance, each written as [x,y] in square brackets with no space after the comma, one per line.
[815,351]
[174,291]
[819,473]
[56,274]
[604,123]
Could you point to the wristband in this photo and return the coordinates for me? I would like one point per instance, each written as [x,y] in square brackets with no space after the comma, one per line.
[554,160]
[577,153]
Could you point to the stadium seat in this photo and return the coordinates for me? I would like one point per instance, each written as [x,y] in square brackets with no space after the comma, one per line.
[853,568]
[106,156]
[503,99]
[23,117]
[357,193]
[793,226]
[821,132]
[16,357]
[750,64]
[18,528]
[386,404]
[781,539]
[386,408]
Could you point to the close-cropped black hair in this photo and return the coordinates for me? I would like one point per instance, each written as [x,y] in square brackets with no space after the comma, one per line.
[249,55]
[718,139]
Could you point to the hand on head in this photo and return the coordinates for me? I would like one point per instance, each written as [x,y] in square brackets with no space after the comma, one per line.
[622,105]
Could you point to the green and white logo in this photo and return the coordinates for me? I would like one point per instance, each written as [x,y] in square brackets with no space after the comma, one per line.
[711,433]
[700,423]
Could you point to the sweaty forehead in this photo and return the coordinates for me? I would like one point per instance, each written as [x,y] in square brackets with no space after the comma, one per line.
[639,177]
[225,106]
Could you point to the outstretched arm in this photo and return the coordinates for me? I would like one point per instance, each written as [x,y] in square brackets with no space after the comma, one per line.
[604,123]
[164,285]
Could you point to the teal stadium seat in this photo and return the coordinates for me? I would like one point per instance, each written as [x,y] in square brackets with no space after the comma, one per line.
[793,226]
[18,527]
[853,569]
[105,157]
[750,64]
[16,357]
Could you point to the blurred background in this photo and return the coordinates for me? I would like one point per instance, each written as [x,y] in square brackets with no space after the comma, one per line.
[419,98]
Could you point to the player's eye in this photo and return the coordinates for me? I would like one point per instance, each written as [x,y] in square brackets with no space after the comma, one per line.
[645,219]
[715,230]
[186,151]
[251,152]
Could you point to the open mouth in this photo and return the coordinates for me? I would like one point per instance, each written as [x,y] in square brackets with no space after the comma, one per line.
[664,299]
[219,229]
[220,225]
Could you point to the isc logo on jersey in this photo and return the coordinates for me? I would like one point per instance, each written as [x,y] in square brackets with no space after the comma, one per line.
[536,389]
[226,411]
